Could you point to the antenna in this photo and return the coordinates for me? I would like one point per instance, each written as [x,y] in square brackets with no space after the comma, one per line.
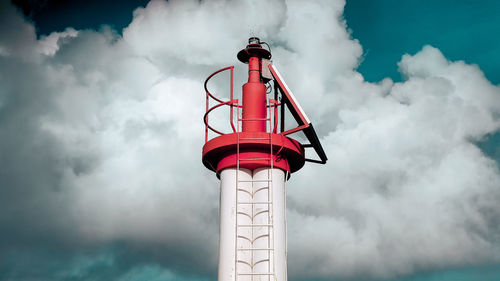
[252,32]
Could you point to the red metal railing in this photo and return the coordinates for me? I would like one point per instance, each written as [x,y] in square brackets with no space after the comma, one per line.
[231,103]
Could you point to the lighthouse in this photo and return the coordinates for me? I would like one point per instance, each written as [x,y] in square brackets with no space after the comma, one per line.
[253,162]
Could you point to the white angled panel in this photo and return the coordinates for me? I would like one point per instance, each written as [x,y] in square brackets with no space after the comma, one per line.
[290,93]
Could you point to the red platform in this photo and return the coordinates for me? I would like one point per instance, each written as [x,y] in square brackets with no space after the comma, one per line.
[254,152]
[255,141]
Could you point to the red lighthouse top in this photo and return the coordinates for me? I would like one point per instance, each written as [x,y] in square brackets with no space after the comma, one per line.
[255,141]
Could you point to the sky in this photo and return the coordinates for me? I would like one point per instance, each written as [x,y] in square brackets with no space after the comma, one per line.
[101,132]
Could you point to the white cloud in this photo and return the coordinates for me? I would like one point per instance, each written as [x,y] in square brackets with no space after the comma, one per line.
[113,127]
[49,45]
[406,189]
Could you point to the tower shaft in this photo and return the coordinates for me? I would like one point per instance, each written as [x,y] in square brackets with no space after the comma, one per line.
[252,225]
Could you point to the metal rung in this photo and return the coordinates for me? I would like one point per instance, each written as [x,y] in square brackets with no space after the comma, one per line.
[255,249]
[253,119]
[255,159]
[261,202]
[253,225]
[255,138]
[254,180]
[268,273]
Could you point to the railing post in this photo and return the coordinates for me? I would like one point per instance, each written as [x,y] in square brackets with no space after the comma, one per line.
[275,102]
[232,100]
[206,124]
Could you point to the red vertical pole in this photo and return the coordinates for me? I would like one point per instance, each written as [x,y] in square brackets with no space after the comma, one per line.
[232,99]
[206,123]
[275,105]
[254,99]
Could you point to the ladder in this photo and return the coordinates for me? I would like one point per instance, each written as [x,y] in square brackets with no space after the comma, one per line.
[254,241]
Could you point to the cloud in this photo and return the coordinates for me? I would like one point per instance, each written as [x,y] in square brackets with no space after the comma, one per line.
[100,140]
[49,45]
[409,190]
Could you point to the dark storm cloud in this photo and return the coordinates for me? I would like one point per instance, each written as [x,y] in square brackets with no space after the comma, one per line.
[32,162]
[38,200]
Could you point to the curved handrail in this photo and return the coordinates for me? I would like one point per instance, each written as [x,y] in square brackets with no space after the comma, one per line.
[205,117]
[231,103]
[212,75]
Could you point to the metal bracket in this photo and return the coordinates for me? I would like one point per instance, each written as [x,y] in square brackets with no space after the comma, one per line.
[299,115]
